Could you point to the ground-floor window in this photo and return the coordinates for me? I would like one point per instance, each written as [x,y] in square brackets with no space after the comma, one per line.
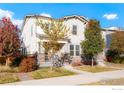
[77,50]
[71,50]
[39,47]
[74,50]
[46,56]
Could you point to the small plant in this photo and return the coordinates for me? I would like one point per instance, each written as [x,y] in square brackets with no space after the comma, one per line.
[28,64]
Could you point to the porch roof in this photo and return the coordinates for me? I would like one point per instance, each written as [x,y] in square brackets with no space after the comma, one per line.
[43,38]
[60,41]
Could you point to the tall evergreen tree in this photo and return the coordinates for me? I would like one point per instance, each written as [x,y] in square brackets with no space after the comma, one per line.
[93,43]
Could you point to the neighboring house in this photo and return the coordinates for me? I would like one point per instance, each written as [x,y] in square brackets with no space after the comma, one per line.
[33,36]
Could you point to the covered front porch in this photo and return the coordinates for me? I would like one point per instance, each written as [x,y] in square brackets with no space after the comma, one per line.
[43,57]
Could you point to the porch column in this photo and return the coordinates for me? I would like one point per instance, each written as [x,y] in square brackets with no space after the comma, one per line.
[41,54]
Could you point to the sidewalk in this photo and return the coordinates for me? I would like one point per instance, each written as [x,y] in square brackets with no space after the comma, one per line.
[81,78]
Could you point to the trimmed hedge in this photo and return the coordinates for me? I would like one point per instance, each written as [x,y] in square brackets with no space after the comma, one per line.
[114,56]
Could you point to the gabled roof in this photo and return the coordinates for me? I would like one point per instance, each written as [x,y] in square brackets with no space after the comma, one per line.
[104,29]
[81,18]
[64,18]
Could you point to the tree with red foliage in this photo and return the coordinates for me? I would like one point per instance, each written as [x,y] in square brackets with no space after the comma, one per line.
[9,39]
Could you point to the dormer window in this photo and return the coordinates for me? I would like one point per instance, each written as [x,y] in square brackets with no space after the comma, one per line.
[74,30]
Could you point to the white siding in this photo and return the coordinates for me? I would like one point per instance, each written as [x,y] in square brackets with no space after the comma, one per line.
[29,36]
[74,39]
[31,42]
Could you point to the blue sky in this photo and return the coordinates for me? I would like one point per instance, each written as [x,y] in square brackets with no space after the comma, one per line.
[107,14]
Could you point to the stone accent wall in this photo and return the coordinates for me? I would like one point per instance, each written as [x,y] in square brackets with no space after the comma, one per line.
[41,58]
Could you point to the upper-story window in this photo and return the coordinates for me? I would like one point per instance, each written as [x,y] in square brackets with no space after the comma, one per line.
[31,30]
[74,30]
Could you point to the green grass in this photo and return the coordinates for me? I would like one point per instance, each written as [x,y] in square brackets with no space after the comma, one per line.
[95,69]
[115,65]
[8,78]
[109,82]
[47,73]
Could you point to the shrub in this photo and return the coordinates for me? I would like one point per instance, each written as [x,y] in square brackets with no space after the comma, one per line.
[17,61]
[118,59]
[2,60]
[28,64]
[114,56]
[87,60]
[111,54]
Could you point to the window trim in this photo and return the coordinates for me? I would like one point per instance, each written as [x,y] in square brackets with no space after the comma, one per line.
[77,50]
[74,29]
[71,50]
[31,30]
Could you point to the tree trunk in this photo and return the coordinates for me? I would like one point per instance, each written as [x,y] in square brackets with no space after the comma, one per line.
[7,61]
[51,68]
[92,62]
[51,60]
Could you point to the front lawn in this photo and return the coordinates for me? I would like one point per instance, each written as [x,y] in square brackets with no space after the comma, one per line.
[47,73]
[8,78]
[109,82]
[9,69]
[94,69]
[117,65]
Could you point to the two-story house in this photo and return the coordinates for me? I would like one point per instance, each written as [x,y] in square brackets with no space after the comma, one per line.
[32,36]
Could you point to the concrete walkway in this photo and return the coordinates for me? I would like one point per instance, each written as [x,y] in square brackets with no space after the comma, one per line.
[81,78]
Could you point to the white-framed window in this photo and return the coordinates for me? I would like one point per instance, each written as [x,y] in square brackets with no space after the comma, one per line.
[77,50]
[31,30]
[74,30]
[39,47]
[74,50]
[71,50]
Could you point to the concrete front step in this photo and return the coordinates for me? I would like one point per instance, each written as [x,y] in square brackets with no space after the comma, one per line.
[46,64]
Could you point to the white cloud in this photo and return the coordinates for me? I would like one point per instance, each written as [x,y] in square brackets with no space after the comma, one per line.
[10,14]
[46,14]
[6,13]
[113,28]
[110,16]
[17,22]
